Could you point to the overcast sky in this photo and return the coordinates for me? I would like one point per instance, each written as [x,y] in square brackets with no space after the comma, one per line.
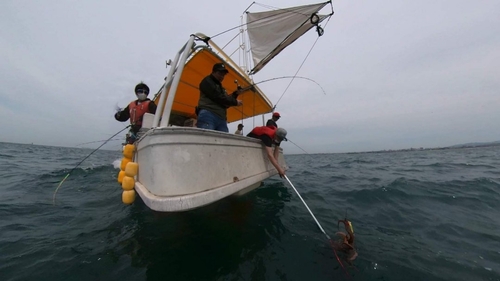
[397,74]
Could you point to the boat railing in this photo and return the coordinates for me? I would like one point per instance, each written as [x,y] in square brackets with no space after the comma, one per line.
[165,103]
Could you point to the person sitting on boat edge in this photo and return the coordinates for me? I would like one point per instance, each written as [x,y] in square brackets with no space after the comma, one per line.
[136,110]
[214,101]
[240,130]
[273,120]
[270,135]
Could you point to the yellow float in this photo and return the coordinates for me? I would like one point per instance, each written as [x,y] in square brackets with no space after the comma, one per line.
[128,151]
[128,183]
[124,163]
[128,196]
[128,170]
[121,174]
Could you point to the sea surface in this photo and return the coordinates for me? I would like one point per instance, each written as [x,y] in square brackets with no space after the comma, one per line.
[417,215]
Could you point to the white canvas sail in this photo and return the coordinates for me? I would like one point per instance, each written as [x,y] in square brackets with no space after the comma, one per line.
[271,32]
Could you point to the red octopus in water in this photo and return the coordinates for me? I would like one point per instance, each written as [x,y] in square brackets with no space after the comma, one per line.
[346,243]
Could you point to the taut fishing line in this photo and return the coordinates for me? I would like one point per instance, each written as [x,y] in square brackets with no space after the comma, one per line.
[55,192]
[287,139]
[90,142]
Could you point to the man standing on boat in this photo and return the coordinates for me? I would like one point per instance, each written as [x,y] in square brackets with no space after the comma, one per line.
[273,120]
[214,101]
[136,110]
[269,136]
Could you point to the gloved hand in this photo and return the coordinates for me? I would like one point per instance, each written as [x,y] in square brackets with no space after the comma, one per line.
[235,94]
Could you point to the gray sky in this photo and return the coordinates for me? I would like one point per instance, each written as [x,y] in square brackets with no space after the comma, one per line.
[397,74]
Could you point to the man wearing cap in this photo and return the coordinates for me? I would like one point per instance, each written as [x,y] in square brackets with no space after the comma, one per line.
[240,130]
[214,100]
[270,135]
[272,121]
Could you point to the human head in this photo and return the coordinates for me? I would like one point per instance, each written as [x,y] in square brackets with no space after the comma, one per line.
[219,71]
[141,91]
[276,116]
[281,134]
[240,126]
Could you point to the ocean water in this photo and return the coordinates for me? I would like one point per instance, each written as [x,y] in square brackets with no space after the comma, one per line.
[417,215]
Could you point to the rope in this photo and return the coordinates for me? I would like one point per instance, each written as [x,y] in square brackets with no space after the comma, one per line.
[297,71]
[310,50]
[264,18]
[55,192]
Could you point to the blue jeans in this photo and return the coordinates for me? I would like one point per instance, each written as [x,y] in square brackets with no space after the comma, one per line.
[208,120]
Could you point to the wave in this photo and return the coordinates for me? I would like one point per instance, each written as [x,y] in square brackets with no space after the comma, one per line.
[7,156]
[338,177]
[402,190]
[456,165]
[78,171]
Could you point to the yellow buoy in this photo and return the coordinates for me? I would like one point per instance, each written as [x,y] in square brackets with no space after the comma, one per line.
[121,174]
[131,169]
[128,183]
[128,151]
[128,196]
[124,163]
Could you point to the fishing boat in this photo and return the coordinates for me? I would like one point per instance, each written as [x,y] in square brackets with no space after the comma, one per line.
[175,166]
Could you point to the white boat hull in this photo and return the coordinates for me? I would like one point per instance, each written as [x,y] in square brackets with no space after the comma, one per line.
[182,168]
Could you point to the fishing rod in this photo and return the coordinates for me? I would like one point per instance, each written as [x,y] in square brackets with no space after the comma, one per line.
[282,77]
[307,207]
[251,86]
[55,192]
[319,225]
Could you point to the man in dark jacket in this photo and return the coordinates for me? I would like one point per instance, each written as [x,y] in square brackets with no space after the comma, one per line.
[214,101]
[135,111]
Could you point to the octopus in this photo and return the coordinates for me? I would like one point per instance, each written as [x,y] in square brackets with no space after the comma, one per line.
[346,242]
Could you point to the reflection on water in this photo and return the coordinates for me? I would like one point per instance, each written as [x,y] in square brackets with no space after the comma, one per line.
[206,243]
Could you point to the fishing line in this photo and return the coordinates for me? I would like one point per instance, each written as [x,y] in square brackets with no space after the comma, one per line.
[286,89]
[97,141]
[287,139]
[55,192]
[319,225]
[307,153]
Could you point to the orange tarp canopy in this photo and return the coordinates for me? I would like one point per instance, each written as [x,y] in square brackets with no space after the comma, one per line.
[200,65]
